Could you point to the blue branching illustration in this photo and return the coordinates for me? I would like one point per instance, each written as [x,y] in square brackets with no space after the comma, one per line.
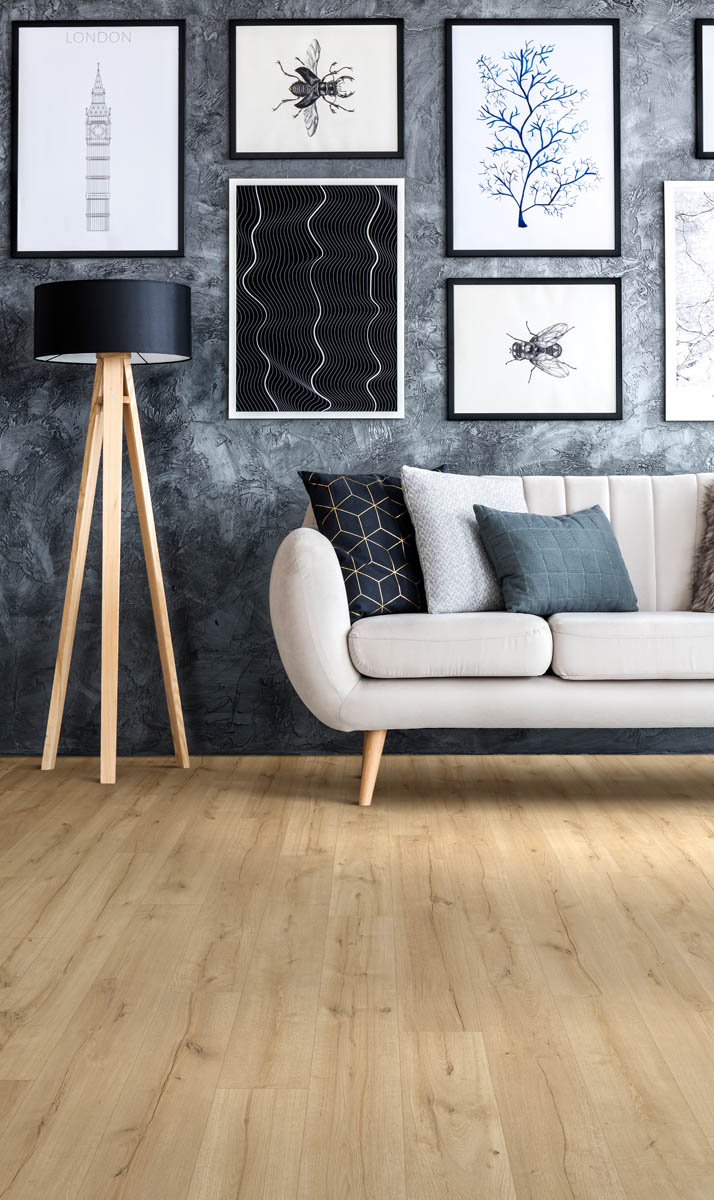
[532,114]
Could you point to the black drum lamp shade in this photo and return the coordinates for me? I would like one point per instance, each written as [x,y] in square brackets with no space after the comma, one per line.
[77,319]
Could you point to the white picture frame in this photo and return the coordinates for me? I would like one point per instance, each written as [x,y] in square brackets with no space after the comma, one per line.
[689,312]
[335,365]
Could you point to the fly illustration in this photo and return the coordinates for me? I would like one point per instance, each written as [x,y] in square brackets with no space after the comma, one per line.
[542,350]
[309,88]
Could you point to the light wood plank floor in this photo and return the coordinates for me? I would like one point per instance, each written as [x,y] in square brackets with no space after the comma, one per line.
[230,982]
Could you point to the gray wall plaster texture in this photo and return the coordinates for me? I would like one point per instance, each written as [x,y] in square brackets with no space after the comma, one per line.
[225,493]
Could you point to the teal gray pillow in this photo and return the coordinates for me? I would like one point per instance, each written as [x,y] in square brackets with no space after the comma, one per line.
[550,565]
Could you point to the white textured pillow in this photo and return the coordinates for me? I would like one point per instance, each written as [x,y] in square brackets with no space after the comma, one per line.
[458,576]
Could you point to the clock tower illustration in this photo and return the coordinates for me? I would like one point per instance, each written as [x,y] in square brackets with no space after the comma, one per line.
[98,132]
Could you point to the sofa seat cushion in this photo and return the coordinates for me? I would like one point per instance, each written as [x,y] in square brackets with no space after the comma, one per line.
[638,645]
[444,645]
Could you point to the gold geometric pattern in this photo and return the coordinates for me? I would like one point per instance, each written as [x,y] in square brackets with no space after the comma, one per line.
[366,519]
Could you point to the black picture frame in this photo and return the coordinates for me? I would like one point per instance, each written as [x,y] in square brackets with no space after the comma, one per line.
[179,252]
[452,284]
[699,25]
[235,24]
[451,251]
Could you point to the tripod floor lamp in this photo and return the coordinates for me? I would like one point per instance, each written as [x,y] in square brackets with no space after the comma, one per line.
[114,323]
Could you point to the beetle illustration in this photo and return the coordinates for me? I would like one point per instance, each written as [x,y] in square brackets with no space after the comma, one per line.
[309,87]
[542,350]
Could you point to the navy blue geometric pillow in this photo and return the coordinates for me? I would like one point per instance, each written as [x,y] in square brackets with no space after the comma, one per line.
[366,519]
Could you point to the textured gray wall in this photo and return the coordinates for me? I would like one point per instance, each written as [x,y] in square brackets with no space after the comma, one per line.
[226,492]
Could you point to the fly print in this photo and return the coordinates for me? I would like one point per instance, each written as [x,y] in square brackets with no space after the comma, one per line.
[316,294]
[523,349]
[542,351]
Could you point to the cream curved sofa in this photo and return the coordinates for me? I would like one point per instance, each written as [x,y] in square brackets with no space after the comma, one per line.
[509,670]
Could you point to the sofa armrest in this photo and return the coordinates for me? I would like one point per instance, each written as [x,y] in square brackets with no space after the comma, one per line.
[311,623]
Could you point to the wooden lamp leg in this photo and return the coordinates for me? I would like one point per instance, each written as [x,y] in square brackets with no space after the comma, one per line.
[113,406]
[137,460]
[371,758]
[111,546]
[85,504]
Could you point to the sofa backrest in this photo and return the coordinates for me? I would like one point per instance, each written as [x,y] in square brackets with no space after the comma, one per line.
[657,521]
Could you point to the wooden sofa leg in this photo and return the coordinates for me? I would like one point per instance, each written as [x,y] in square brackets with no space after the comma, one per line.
[371,756]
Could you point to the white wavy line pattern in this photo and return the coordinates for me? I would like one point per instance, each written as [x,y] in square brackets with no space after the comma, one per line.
[313,386]
[316,298]
[371,296]
[244,278]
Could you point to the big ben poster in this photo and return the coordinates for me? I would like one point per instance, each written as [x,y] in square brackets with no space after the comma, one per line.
[97,151]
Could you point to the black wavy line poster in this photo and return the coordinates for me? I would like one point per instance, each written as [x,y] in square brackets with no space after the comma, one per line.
[316,298]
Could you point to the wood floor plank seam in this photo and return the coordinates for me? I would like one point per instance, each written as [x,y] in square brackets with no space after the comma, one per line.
[83,893]
[685,1017]
[312,1052]
[634,1000]
[314,1039]
[222,859]
[396,976]
[353,1020]
[303,867]
[183,1046]
[58,1090]
[532,1058]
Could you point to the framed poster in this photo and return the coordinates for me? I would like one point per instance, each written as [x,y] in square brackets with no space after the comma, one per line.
[533,137]
[97,147]
[316,89]
[688,301]
[704,54]
[316,298]
[534,349]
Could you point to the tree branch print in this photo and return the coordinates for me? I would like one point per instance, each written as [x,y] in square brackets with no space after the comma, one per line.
[532,115]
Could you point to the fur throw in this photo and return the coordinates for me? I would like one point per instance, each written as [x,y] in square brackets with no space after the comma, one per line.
[703,576]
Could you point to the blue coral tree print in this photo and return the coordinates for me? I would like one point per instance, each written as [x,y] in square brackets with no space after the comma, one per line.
[533,158]
[535,133]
